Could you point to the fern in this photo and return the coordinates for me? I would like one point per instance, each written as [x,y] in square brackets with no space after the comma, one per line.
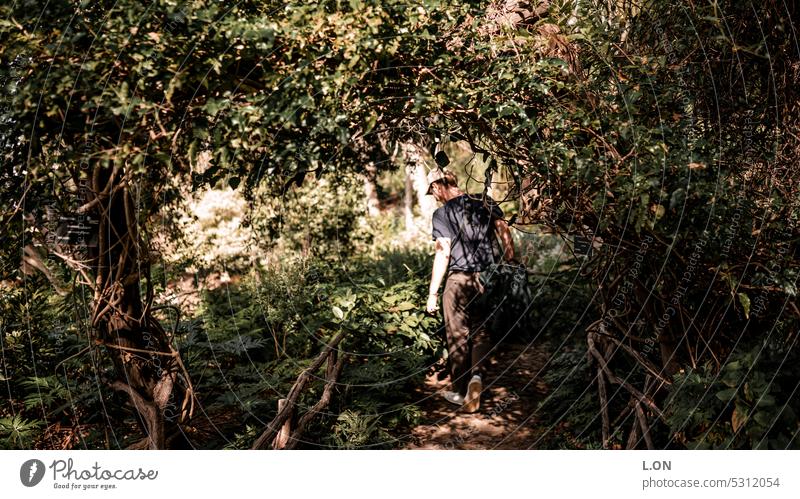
[46,392]
[243,440]
[353,430]
[18,433]
[241,345]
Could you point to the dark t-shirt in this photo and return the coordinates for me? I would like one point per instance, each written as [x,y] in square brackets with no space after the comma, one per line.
[468,221]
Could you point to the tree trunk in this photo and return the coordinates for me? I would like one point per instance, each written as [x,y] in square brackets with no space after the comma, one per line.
[427,204]
[408,198]
[415,157]
[148,369]
[371,190]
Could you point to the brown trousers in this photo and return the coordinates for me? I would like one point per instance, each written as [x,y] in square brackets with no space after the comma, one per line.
[467,340]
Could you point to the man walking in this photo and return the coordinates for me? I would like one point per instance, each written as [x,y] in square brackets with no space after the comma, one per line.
[463,229]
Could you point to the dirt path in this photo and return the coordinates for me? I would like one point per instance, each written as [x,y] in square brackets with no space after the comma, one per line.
[511,394]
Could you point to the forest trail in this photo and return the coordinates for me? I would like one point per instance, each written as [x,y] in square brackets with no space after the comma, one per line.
[506,420]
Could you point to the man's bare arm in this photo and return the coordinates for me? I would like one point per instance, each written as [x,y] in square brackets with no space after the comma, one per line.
[440,262]
[501,228]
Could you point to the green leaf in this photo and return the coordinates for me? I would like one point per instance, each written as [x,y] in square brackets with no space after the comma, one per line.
[763,418]
[766,401]
[212,106]
[391,299]
[405,328]
[727,394]
[745,301]
[731,377]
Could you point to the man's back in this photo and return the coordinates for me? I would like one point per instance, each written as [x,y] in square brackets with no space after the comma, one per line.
[467,220]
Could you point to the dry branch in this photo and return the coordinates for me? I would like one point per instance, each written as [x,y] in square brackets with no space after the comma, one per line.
[614,379]
[601,388]
[334,369]
[294,393]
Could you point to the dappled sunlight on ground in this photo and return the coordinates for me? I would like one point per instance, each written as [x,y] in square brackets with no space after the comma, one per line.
[511,392]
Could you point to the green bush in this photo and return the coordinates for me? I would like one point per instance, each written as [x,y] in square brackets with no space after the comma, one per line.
[250,342]
[748,404]
[322,218]
[46,369]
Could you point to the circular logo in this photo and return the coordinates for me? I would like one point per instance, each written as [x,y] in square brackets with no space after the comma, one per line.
[31,472]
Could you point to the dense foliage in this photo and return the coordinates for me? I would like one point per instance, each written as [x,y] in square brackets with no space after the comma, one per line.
[666,136]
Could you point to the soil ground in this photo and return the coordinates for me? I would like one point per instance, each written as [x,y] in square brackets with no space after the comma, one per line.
[507,418]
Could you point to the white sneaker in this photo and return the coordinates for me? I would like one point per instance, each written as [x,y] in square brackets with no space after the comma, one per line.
[454,397]
[472,402]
